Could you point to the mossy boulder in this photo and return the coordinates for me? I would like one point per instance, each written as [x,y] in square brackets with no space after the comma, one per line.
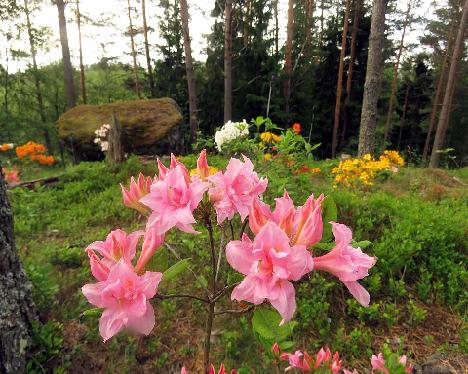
[148,126]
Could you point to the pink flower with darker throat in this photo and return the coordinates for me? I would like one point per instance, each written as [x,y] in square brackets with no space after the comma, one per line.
[234,190]
[298,360]
[269,264]
[125,297]
[347,263]
[118,245]
[173,198]
[137,189]
[303,225]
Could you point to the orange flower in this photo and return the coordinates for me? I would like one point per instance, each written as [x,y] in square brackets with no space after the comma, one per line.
[29,149]
[297,128]
[43,159]
[6,146]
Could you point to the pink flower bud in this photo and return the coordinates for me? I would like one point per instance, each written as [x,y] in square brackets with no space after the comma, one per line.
[136,191]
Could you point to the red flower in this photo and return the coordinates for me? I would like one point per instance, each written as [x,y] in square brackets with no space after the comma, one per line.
[297,128]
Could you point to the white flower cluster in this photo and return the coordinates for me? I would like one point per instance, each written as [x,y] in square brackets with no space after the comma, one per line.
[101,137]
[231,131]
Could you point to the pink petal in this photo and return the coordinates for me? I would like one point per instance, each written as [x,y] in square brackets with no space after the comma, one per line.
[109,324]
[143,324]
[239,254]
[285,303]
[359,292]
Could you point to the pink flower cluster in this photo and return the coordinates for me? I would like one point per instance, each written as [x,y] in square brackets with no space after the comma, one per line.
[323,361]
[279,254]
[308,363]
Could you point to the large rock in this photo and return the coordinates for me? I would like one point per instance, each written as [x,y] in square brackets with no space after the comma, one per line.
[444,363]
[149,126]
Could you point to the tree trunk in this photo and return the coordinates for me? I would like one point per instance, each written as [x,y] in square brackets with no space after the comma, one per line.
[275,10]
[339,84]
[115,153]
[148,58]
[67,66]
[403,116]
[445,111]
[82,72]
[288,56]
[373,79]
[439,88]
[395,76]
[192,92]
[309,26]
[37,83]
[352,56]
[17,310]
[132,40]
[322,6]
[227,61]
[245,28]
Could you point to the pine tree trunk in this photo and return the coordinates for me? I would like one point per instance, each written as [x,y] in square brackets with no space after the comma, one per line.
[275,11]
[439,88]
[227,61]
[147,53]
[445,110]
[132,41]
[395,76]
[37,83]
[245,28]
[82,72]
[349,78]
[373,80]
[309,26]
[192,92]
[67,66]
[339,84]
[403,116]
[17,310]
[288,57]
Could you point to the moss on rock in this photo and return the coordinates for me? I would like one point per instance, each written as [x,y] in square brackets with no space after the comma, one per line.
[144,122]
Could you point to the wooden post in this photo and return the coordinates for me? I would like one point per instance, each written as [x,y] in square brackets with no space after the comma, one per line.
[115,153]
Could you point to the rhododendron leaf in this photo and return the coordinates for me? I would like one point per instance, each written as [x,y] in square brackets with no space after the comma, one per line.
[93,312]
[287,345]
[329,213]
[159,261]
[362,244]
[324,246]
[265,322]
[176,269]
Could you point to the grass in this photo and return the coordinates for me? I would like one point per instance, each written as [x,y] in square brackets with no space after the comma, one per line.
[415,219]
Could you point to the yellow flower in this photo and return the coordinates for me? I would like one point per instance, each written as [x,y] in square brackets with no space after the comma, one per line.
[267,156]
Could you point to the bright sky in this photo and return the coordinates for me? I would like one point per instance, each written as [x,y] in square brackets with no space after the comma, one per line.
[109,40]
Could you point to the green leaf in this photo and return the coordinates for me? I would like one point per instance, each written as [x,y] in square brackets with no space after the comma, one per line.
[92,312]
[176,269]
[265,322]
[159,261]
[329,213]
[324,246]
[362,244]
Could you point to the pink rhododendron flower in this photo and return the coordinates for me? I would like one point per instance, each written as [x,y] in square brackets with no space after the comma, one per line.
[275,349]
[336,364]
[235,190]
[269,264]
[151,243]
[125,297]
[118,245]
[297,360]
[322,356]
[173,198]
[203,170]
[136,191]
[302,225]
[378,363]
[350,372]
[347,263]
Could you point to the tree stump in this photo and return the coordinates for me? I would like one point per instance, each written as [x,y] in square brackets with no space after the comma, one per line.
[17,309]
[115,153]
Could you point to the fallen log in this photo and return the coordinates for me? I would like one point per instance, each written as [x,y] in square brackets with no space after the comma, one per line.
[31,183]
